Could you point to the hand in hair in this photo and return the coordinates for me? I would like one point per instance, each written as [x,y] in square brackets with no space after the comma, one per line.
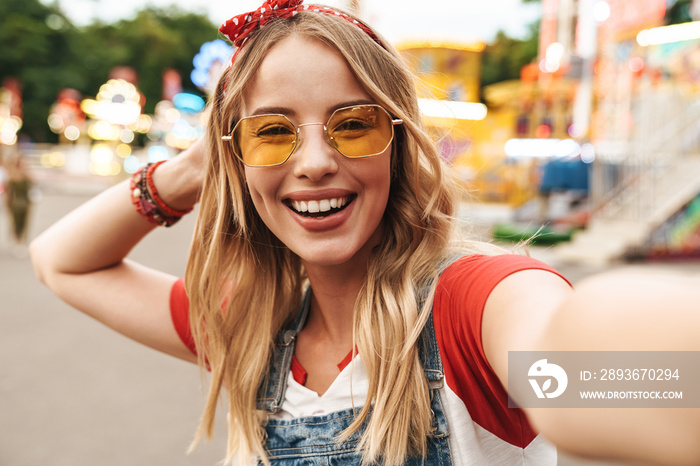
[179,181]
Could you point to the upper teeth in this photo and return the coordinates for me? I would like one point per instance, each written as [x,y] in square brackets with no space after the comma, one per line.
[323,205]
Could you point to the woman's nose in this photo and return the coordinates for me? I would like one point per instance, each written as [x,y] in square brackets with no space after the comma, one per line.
[314,157]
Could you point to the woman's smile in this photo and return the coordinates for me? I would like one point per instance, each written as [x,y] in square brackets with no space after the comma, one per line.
[320,208]
[321,211]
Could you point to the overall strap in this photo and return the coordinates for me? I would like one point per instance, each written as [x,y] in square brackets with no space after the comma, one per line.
[430,356]
[271,392]
[429,351]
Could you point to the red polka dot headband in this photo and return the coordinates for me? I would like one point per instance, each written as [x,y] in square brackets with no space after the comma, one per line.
[239,28]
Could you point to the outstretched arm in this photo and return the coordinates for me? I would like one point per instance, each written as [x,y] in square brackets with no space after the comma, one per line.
[618,311]
[82,257]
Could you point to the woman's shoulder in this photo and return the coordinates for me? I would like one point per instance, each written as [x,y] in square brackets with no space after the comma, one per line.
[467,282]
[487,268]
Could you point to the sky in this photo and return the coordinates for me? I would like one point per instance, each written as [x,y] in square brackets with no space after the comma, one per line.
[397,20]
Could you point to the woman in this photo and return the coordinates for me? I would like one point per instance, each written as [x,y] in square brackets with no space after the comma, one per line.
[317,172]
[18,199]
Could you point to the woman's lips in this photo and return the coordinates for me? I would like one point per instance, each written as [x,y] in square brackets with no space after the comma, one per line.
[319,214]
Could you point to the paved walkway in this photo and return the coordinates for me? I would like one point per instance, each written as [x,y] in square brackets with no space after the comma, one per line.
[74,393]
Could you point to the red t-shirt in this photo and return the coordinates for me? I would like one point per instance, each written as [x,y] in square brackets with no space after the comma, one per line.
[460,297]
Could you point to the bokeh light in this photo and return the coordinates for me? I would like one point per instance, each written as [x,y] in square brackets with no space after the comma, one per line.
[72,133]
[131,164]
[123,150]
[587,152]
[126,136]
[52,159]
[601,11]
[636,64]
[157,153]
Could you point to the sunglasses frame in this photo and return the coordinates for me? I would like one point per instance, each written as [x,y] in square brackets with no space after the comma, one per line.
[298,139]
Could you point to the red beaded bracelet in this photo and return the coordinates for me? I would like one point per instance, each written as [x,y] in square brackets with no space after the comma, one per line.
[148,203]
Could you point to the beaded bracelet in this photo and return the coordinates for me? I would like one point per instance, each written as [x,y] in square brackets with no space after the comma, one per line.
[148,203]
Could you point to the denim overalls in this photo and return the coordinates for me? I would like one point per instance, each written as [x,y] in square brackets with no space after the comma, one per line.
[312,440]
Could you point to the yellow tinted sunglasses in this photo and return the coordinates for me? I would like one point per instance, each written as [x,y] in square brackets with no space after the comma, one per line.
[269,140]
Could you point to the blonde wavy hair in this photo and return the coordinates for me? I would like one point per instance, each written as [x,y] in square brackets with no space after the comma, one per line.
[237,264]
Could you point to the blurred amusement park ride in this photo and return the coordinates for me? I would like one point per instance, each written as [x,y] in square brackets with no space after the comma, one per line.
[10,112]
[597,144]
[111,136]
[106,128]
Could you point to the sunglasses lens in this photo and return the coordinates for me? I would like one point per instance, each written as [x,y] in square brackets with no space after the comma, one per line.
[360,131]
[264,140]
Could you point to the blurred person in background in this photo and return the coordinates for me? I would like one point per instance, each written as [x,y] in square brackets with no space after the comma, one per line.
[3,194]
[18,201]
[327,289]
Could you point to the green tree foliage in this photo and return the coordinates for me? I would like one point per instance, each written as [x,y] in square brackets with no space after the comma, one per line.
[505,56]
[34,40]
[678,12]
[150,43]
[47,53]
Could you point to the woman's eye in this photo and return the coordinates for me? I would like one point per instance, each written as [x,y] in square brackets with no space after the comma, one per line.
[353,125]
[274,130]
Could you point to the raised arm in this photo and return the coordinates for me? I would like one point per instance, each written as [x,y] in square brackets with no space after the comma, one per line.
[82,257]
[617,311]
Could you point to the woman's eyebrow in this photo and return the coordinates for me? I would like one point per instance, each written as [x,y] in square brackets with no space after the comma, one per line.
[290,112]
[352,103]
[271,110]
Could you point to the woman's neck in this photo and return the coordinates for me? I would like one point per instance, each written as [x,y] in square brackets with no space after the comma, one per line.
[326,337]
[335,290]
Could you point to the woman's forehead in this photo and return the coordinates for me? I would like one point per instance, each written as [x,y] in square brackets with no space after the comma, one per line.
[299,73]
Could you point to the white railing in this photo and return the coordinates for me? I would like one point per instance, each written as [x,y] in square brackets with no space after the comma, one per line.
[634,177]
